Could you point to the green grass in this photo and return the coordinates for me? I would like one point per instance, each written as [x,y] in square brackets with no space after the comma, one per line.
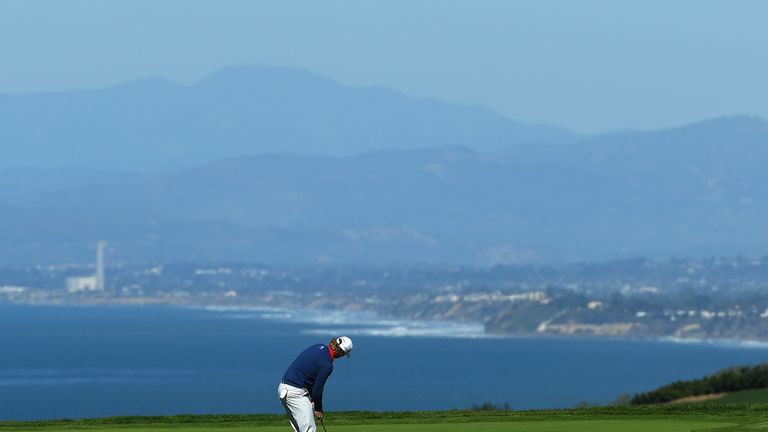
[662,418]
[541,426]
[758,396]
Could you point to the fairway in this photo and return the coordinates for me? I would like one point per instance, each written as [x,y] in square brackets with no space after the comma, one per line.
[541,426]
[632,425]
[662,418]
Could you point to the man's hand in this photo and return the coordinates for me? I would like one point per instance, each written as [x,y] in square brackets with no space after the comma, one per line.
[319,414]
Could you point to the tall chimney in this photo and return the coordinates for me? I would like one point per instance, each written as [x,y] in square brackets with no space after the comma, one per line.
[100,265]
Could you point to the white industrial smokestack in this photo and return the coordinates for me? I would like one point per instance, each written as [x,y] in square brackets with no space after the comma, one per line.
[100,265]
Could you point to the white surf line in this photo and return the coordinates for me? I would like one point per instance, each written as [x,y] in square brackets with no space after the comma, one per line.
[364,323]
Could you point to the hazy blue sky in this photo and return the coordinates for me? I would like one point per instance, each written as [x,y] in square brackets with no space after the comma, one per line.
[589,65]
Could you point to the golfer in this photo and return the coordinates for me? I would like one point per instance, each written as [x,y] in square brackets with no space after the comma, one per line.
[301,389]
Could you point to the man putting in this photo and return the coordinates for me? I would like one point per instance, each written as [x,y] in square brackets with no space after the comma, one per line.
[301,389]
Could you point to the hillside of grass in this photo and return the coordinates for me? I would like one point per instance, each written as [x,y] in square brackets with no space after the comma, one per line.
[757,396]
[670,418]
[725,381]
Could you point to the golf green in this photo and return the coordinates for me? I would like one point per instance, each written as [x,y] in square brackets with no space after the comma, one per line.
[543,426]
[632,425]
[661,418]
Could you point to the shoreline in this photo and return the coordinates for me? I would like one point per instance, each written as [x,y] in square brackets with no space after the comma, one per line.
[370,323]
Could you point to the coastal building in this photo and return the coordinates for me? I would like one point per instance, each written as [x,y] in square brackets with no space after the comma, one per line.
[82,283]
[90,283]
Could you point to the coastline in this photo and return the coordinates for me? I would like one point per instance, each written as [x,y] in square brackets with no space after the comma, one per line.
[369,323]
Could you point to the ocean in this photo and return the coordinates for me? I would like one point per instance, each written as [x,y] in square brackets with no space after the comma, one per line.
[95,361]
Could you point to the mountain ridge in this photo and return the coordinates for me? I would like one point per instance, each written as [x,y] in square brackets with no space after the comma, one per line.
[153,123]
[446,204]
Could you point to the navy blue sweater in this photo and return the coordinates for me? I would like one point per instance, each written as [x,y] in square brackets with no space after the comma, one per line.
[310,370]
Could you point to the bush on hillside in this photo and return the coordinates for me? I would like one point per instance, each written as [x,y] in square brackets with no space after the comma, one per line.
[490,406]
[726,380]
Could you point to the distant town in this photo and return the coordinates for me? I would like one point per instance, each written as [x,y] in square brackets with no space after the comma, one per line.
[713,298]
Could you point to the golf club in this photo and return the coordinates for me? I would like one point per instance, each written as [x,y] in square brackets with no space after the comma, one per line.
[323,424]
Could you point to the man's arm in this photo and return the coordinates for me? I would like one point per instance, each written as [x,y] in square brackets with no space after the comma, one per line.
[317,388]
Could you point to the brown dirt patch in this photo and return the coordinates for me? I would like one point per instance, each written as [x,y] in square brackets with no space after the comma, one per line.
[700,398]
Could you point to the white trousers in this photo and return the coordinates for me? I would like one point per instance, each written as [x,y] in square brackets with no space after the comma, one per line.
[299,408]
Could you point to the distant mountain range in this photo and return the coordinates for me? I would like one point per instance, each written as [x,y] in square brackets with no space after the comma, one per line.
[156,124]
[699,189]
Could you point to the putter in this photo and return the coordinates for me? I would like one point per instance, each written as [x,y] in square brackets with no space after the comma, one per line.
[323,424]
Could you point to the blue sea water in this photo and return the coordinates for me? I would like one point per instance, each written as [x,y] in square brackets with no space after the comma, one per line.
[74,362]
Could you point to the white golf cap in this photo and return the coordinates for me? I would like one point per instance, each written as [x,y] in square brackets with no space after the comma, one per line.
[345,344]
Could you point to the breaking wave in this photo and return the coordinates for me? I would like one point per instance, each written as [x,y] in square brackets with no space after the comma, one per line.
[365,323]
[324,322]
[725,343]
